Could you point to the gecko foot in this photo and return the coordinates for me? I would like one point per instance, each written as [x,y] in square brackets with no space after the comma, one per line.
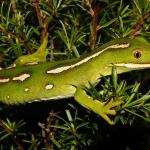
[105,109]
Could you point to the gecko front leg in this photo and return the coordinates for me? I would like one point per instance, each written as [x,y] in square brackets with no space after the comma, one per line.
[101,108]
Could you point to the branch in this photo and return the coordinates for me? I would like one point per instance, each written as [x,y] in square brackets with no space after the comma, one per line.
[96,10]
[139,26]
[44,23]
[38,12]
[13,3]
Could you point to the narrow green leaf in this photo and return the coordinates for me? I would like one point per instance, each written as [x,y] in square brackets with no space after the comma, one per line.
[56,143]
[114,77]
[101,26]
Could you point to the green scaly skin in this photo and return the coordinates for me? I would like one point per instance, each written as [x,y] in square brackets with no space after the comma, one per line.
[38,56]
[45,81]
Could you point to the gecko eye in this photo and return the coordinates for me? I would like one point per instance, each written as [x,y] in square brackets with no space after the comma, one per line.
[137,54]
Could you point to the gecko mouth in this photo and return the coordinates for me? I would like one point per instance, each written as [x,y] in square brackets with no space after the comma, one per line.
[132,65]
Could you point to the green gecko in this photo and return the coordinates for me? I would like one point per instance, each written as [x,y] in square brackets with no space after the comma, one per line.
[63,79]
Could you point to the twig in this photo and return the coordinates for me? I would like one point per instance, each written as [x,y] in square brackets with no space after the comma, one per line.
[38,12]
[94,26]
[16,141]
[47,132]
[44,135]
[44,28]
[33,141]
[88,4]
[52,50]
[139,26]
[44,23]
[13,2]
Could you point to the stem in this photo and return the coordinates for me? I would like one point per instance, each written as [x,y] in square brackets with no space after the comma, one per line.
[13,2]
[16,141]
[139,26]
[94,26]
[38,12]
[131,112]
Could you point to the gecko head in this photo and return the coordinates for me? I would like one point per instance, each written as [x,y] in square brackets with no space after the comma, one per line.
[135,57]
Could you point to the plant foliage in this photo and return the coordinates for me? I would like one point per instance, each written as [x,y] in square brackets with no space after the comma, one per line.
[75,27]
